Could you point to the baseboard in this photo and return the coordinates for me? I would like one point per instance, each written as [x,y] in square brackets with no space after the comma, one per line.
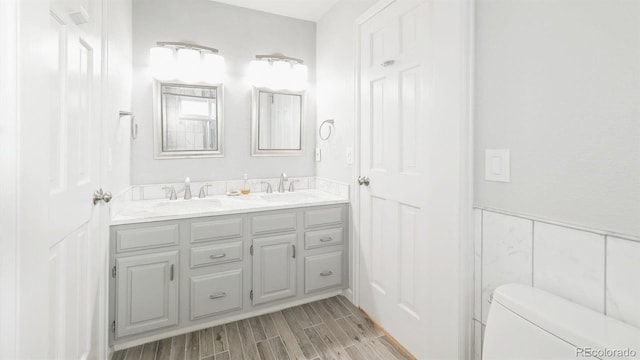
[348,293]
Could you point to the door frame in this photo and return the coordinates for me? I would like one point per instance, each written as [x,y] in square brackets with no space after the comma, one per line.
[466,167]
[9,178]
[103,222]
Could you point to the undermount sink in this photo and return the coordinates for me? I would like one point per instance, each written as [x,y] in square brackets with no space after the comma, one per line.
[287,197]
[191,204]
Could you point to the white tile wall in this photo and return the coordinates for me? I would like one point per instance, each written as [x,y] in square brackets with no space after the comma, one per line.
[570,263]
[560,259]
[506,254]
[623,280]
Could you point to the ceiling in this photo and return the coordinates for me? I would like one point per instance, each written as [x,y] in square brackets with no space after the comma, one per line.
[311,10]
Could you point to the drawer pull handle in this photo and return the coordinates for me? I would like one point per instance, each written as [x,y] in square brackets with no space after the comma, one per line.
[327,239]
[218,256]
[326,273]
[218,296]
[171,271]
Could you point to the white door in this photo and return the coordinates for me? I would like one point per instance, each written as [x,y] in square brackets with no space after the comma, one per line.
[400,223]
[75,228]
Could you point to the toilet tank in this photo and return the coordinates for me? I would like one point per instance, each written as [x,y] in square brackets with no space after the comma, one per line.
[530,324]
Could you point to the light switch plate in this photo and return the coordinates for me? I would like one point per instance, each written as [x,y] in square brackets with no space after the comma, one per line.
[349,155]
[318,155]
[497,165]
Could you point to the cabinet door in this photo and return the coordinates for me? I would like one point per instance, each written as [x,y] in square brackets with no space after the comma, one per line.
[146,292]
[274,268]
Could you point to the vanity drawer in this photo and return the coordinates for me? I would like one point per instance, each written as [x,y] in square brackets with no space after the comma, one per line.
[322,217]
[147,237]
[322,271]
[216,229]
[216,254]
[216,293]
[325,237]
[261,224]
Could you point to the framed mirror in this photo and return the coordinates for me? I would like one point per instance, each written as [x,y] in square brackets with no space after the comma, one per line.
[187,120]
[277,123]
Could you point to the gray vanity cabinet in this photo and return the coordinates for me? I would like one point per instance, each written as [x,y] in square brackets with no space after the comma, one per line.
[147,292]
[187,274]
[274,268]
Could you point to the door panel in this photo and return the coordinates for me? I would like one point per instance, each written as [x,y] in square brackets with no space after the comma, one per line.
[409,119]
[407,270]
[274,268]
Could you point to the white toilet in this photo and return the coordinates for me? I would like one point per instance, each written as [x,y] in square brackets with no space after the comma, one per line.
[530,324]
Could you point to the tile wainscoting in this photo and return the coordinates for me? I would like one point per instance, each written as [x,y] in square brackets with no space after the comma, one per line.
[590,267]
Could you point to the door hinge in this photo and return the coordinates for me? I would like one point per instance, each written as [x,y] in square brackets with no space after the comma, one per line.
[113,272]
[113,326]
[251,250]
[251,295]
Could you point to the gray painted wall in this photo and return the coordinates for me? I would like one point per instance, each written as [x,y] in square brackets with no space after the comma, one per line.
[558,83]
[240,34]
[119,95]
[336,43]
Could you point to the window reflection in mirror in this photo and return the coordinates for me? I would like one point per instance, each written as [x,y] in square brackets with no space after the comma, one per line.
[190,122]
[277,123]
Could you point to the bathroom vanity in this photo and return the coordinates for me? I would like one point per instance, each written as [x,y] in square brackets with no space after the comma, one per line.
[179,266]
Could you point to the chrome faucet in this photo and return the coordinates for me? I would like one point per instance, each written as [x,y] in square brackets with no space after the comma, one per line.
[269,189]
[171,191]
[283,178]
[203,191]
[187,189]
[291,187]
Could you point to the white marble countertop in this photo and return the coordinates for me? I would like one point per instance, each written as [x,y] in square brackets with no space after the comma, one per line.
[133,212]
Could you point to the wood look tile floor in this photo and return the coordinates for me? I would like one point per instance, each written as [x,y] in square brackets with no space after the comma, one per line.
[327,329]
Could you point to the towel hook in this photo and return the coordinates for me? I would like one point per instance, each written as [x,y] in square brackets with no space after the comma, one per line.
[134,126]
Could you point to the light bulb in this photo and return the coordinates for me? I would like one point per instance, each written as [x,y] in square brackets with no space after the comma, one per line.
[260,73]
[281,75]
[188,64]
[162,63]
[299,77]
[212,67]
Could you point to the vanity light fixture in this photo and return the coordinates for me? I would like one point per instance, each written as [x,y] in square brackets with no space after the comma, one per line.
[186,62]
[278,72]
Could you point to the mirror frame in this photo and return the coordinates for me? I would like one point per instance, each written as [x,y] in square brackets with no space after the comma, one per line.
[255,101]
[157,122]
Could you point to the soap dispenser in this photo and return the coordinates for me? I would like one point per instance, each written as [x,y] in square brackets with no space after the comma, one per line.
[246,189]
